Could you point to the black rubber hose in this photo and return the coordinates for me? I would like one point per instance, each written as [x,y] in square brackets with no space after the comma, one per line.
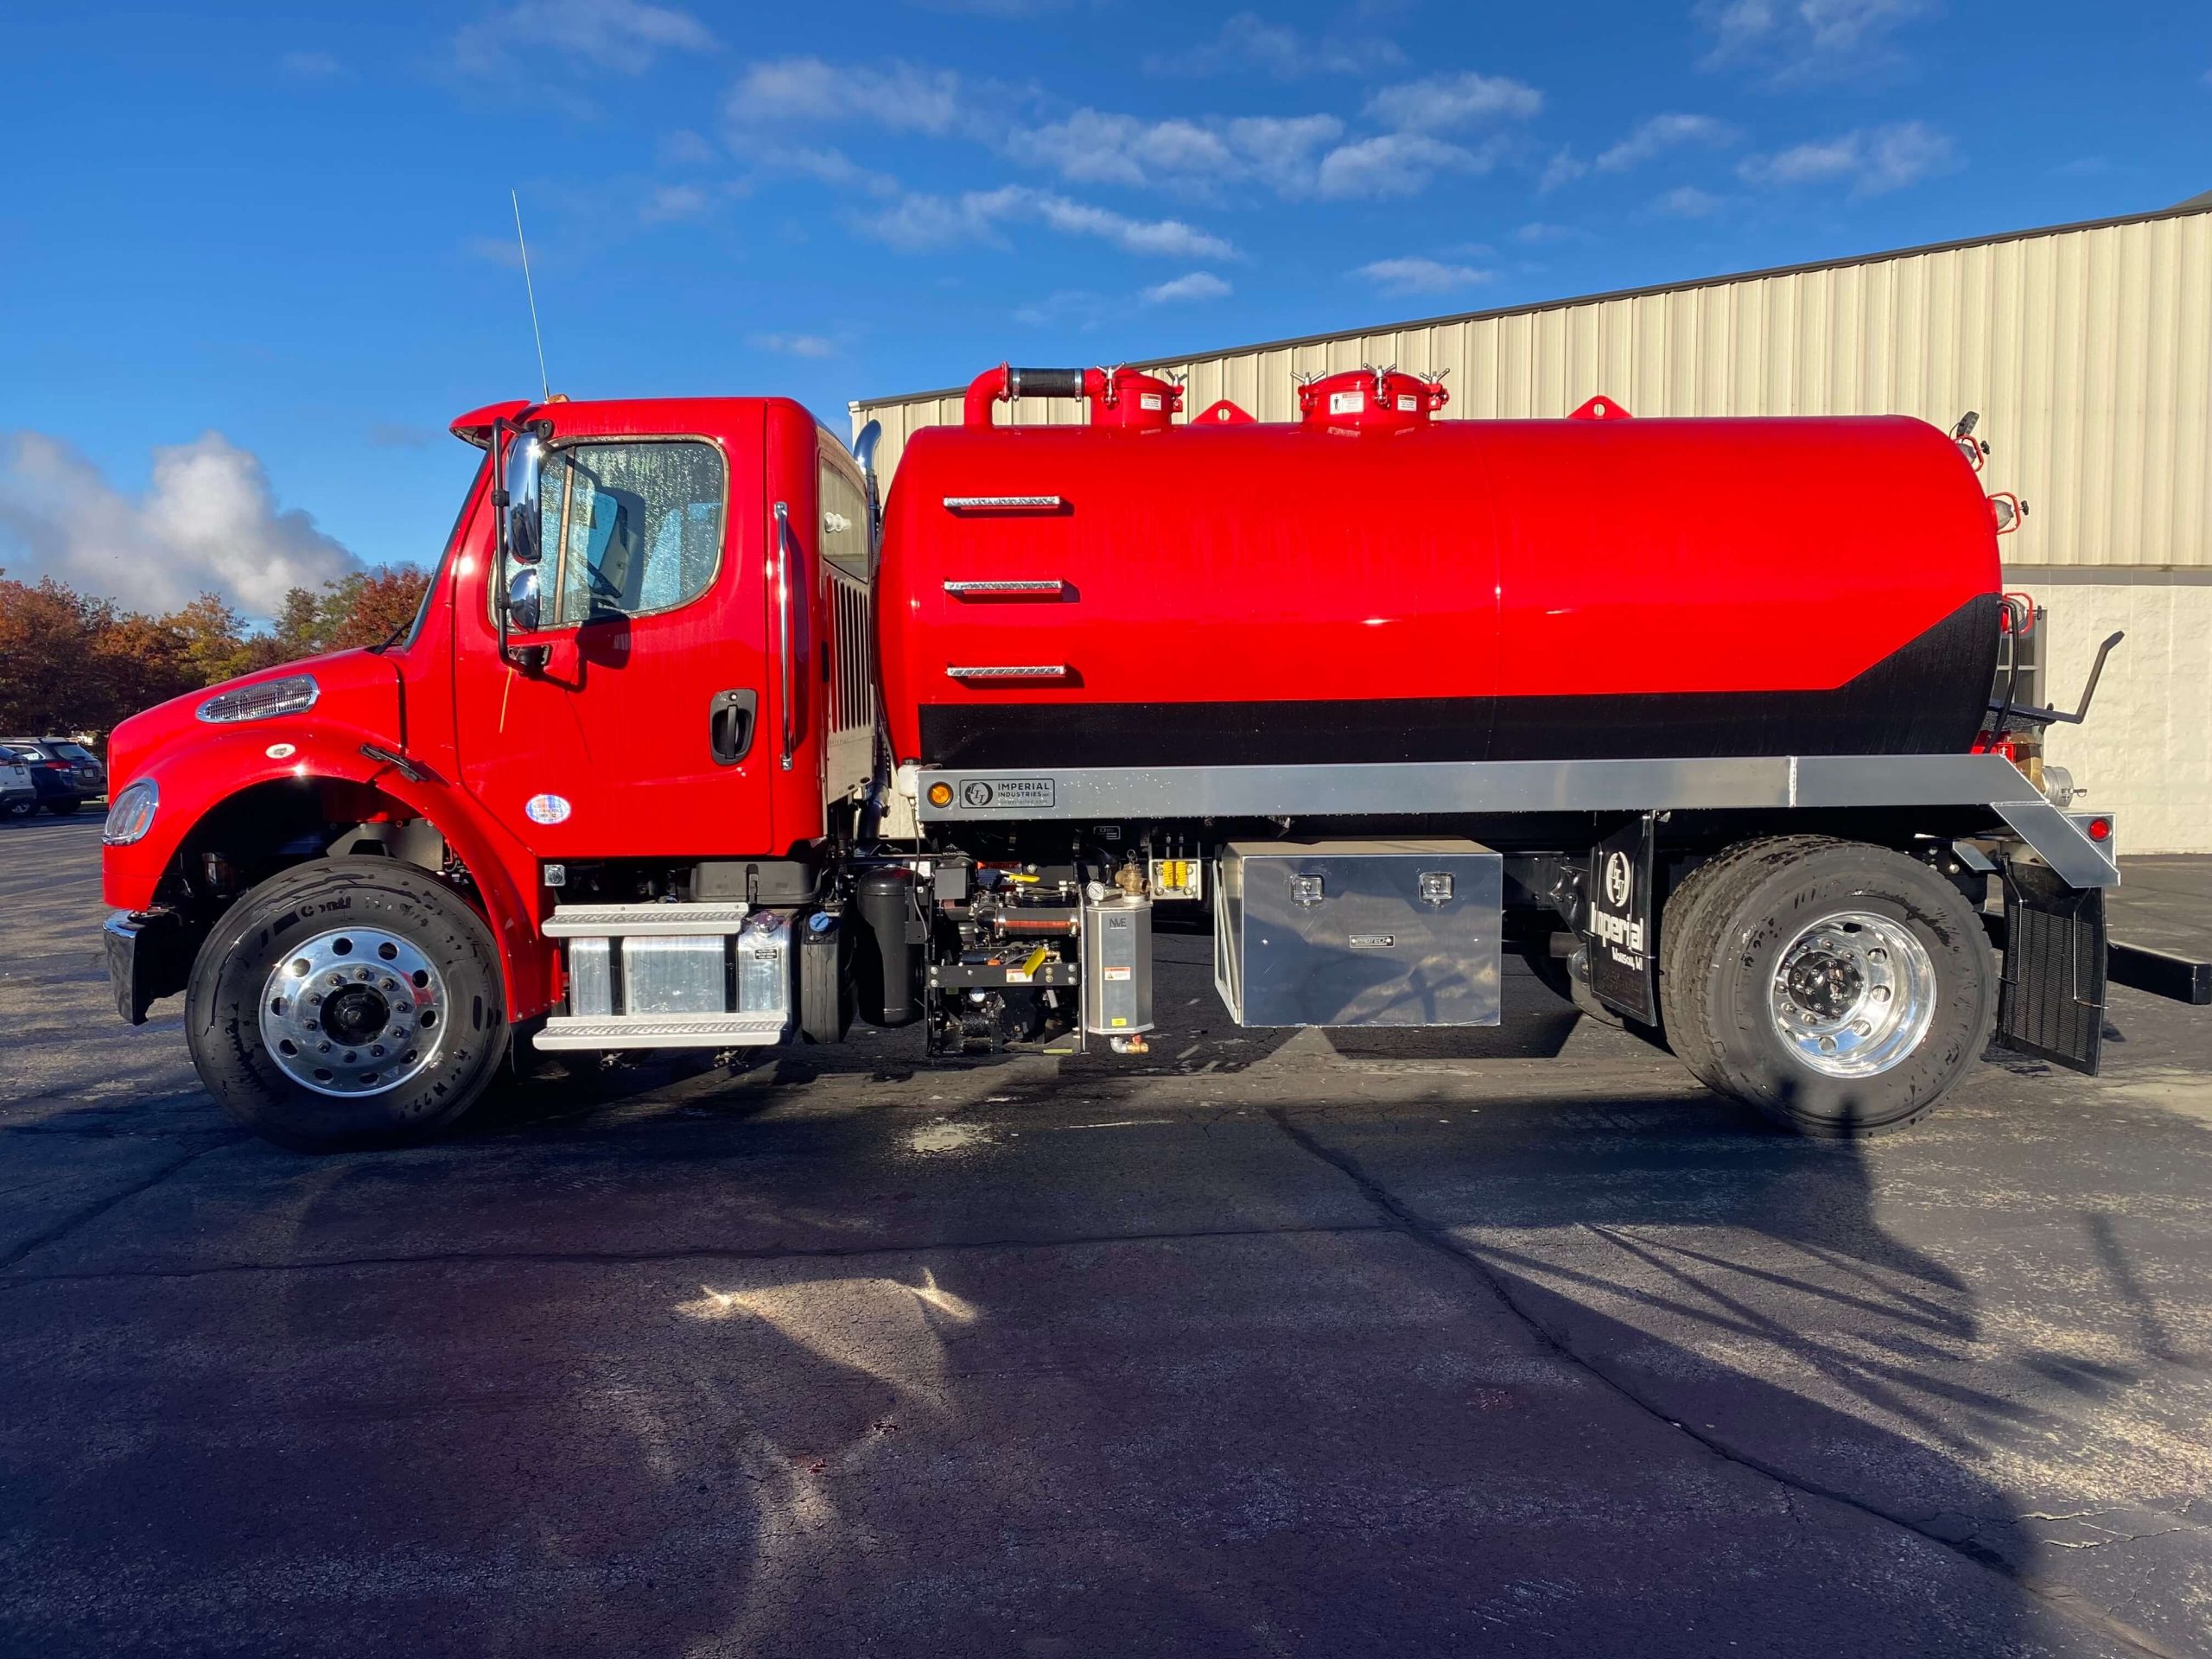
[1044,382]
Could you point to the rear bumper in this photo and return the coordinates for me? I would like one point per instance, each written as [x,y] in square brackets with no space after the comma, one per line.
[149,958]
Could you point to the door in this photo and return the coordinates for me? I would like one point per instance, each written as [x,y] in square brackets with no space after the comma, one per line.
[643,734]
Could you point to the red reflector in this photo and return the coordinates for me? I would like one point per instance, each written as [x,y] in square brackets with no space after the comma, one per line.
[2100,829]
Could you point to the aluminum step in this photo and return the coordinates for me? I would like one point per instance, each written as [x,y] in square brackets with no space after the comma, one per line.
[664,1031]
[644,921]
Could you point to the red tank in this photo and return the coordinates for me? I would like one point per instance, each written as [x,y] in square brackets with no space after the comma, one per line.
[1372,584]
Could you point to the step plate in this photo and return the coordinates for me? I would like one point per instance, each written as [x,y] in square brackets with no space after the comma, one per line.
[643,921]
[664,1031]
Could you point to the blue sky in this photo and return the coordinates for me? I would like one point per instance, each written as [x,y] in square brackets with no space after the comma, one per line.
[252,258]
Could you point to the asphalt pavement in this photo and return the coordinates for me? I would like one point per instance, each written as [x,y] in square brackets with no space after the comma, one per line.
[1481,1344]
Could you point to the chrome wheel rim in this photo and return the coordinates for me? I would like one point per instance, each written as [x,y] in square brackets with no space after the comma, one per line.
[353,1013]
[1853,994]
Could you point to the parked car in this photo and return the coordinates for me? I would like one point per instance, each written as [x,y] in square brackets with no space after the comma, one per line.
[90,775]
[53,776]
[18,794]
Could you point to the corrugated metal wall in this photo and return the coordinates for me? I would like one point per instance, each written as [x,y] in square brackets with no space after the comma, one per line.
[2089,351]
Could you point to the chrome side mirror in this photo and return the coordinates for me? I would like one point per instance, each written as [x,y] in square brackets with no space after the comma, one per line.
[525,536]
[522,599]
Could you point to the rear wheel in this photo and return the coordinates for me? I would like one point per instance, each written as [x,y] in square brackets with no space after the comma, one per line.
[1840,989]
[347,1002]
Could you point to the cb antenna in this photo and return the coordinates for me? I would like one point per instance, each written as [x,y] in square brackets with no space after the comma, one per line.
[528,287]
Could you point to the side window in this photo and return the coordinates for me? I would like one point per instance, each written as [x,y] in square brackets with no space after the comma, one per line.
[630,528]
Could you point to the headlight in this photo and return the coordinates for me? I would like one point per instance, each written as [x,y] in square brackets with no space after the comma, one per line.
[293,695]
[131,815]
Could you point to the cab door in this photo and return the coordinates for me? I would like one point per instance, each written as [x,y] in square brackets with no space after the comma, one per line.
[644,733]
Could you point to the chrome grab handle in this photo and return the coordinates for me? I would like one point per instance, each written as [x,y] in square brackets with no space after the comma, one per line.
[1005,503]
[783,624]
[1009,671]
[993,587]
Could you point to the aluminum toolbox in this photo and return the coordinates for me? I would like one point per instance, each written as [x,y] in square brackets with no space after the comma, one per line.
[1359,932]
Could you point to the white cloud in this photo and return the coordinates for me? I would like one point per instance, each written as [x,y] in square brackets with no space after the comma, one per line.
[624,35]
[1443,103]
[1093,146]
[1074,308]
[1248,40]
[670,202]
[1663,132]
[1420,276]
[310,66]
[1874,160]
[1199,285]
[208,522]
[1564,167]
[1685,201]
[919,221]
[900,97]
[827,166]
[1807,39]
[1536,231]
[1393,164]
[684,147]
[1097,147]
[794,344]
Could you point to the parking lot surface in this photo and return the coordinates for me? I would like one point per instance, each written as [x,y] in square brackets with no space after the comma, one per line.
[1494,1343]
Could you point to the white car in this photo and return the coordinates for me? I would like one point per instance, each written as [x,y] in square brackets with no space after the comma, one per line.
[18,795]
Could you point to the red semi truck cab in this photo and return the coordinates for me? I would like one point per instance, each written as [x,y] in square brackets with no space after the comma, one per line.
[627,780]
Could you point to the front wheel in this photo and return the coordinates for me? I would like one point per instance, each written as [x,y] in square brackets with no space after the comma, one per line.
[1840,989]
[347,1002]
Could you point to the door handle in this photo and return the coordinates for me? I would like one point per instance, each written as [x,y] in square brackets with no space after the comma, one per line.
[730,720]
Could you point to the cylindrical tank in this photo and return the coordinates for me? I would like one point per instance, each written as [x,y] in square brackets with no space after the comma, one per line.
[888,969]
[1372,584]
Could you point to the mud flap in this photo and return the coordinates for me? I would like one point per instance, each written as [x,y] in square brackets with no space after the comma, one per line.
[2051,1003]
[1616,923]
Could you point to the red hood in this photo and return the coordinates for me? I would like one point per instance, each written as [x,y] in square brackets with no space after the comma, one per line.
[358,690]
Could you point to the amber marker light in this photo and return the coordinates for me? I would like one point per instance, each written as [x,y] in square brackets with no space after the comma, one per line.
[940,794]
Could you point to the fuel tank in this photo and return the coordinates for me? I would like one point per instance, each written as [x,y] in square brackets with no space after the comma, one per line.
[1373,583]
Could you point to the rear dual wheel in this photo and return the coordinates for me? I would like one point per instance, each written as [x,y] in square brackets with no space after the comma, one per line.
[1840,989]
[347,1002]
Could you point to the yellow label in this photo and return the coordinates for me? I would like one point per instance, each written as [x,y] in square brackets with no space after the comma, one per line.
[1121,1022]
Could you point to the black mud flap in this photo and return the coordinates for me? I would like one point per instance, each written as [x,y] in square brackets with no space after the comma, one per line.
[2052,1001]
[1616,923]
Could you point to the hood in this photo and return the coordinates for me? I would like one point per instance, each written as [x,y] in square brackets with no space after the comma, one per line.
[357,689]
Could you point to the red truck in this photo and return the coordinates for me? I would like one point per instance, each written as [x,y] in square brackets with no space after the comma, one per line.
[693,745]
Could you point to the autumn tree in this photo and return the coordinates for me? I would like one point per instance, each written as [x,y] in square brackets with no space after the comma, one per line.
[70,662]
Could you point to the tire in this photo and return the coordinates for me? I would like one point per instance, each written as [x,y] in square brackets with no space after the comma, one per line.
[1840,989]
[404,1026]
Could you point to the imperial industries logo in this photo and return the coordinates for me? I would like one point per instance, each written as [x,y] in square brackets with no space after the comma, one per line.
[1617,880]
[976,792]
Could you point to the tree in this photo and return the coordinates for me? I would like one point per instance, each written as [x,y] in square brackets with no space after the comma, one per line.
[72,663]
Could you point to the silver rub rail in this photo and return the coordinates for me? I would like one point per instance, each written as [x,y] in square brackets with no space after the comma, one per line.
[1102,794]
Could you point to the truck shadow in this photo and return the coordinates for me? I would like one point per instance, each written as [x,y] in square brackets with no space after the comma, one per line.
[1606,1372]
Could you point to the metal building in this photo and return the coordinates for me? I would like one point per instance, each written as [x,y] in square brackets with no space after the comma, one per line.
[2086,348]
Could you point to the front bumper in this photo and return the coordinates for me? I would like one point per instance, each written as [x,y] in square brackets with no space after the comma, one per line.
[149,958]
